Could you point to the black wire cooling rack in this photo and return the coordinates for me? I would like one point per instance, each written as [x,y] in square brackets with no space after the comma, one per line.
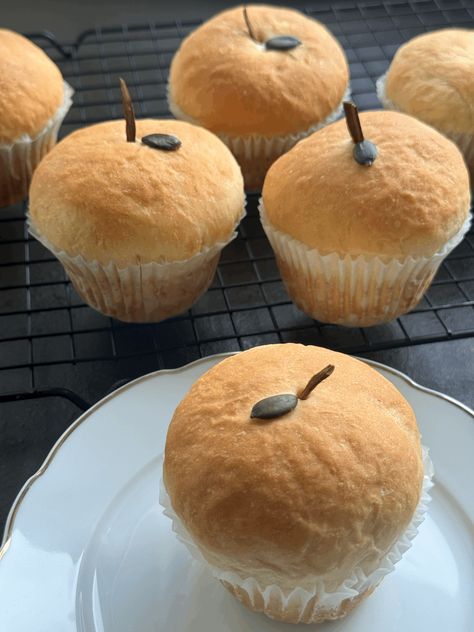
[49,338]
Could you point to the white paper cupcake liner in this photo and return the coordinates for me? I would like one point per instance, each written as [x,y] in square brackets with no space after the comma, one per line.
[353,291]
[380,88]
[311,603]
[144,292]
[255,153]
[465,142]
[19,159]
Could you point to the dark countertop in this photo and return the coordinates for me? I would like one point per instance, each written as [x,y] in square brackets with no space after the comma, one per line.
[29,429]
[67,18]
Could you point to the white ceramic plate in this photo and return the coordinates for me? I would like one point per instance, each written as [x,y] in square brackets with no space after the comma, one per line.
[87,549]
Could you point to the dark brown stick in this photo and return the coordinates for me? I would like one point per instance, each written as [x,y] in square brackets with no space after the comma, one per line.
[128,112]
[249,26]
[315,380]
[353,122]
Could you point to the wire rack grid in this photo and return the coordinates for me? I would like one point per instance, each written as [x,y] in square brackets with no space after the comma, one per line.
[46,331]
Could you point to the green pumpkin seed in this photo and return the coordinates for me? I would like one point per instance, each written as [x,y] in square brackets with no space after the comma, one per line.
[282,42]
[274,406]
[365,152]
[279,405]
[167,142]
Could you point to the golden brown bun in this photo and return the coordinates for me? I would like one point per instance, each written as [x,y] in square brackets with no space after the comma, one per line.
[327,487]
[411,201]
[31,87]
[228,83]
[104,198]
[432,77]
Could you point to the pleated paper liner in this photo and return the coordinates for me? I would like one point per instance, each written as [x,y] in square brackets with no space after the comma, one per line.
[19,159]
[353,291]
[142,292]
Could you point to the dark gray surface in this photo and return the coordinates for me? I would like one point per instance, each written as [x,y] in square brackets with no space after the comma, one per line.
[68,18]
[28,430]
[447,367]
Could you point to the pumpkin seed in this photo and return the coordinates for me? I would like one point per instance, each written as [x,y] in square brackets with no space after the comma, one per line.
[162,141]
[274,406]
[279,405]
[365,152]
[282,42]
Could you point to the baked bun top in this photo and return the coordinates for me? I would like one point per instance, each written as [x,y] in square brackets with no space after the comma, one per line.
[227,82]
[432,77]
[97,195]
[317,491]
[31,87]
[409,202]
